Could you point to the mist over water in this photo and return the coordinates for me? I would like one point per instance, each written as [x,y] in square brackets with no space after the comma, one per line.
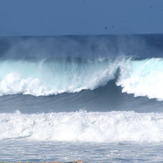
[100,46]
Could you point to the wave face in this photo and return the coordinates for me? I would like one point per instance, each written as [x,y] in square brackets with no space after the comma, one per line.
[83,126]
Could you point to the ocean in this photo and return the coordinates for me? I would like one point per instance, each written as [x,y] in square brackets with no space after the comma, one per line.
[95,98]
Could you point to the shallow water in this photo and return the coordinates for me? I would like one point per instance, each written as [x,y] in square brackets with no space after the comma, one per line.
[20,150]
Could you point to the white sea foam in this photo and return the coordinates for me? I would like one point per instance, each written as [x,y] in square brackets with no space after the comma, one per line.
[143,78]
[83,126]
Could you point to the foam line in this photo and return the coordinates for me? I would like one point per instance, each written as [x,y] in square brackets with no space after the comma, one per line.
[83,126]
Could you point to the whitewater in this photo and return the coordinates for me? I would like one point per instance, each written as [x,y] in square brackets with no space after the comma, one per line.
[83,126]
[92,98]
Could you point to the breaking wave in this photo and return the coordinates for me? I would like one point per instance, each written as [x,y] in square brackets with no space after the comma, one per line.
[58,75]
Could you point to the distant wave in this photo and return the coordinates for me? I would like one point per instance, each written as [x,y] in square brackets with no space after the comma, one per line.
[83,126]
[54,76]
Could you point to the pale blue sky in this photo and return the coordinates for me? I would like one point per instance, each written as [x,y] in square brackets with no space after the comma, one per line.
[66,17]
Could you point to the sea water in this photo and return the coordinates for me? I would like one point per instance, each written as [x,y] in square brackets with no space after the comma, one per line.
[92,98]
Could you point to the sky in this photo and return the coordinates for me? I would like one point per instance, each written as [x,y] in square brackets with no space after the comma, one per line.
[80,17]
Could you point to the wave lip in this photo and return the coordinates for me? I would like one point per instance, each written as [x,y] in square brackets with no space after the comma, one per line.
[83,126]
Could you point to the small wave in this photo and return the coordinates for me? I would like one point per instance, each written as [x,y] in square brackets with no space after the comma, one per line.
[83,126]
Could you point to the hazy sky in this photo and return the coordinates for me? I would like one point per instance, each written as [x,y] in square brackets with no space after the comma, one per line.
[60,17]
